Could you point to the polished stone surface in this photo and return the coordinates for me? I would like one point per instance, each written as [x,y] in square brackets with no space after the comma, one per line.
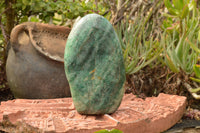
[94,66]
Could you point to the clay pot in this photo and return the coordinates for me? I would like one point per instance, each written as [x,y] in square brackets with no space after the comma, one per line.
[35,63]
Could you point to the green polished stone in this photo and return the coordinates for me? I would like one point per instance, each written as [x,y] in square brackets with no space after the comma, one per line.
[94,66]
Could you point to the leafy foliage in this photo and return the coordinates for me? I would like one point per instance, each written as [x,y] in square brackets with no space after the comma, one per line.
[179,11]
[107,131]
[140,38]
[179,57]
[180,40]
[181,28]
[139,49]
[46,10]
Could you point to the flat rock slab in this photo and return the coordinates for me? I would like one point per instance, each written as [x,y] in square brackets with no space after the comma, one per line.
[135,115]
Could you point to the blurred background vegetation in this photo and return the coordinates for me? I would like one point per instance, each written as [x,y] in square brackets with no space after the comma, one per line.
[160,38]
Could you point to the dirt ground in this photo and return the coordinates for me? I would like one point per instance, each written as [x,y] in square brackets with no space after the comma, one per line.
[150,81]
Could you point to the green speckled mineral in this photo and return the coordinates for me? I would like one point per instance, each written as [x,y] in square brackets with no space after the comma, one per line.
[94,66]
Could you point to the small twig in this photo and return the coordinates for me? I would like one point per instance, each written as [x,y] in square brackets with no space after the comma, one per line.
[142,83]
[163,75]
[189,88]
[170,79]
[2,27]
[96,3]
[178,82]
[134,88]
[4,11]
[195,84]
[119,19]
[4,31]
[105,13]
[116,14]
[134,8]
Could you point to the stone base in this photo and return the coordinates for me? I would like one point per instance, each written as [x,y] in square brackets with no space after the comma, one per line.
[135,115]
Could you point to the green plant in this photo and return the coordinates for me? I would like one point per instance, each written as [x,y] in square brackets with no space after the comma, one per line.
[107,131]
[139,47]
[196,69]
[179,56]
[182,39]
[181,27]
[195,47]
[179,11]
[194,91]
[55,10]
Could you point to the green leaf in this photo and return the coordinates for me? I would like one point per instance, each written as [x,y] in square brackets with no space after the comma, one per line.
[178,4]
[179,48]
[196,69]
[115,131]
[195,90]
[24,19]
[192,5]
[102,131]
[107,131]
[168,4]
[171,64]
[23,7]
[194,47]
[34,19]
[25,2]
[199,36]
[47,19]
[170,8]
[170,16]
[76,13]
[185,12]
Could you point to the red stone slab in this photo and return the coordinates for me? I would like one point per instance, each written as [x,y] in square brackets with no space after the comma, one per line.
[135,115]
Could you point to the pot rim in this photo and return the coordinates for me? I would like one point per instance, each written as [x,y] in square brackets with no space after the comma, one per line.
[29,27]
